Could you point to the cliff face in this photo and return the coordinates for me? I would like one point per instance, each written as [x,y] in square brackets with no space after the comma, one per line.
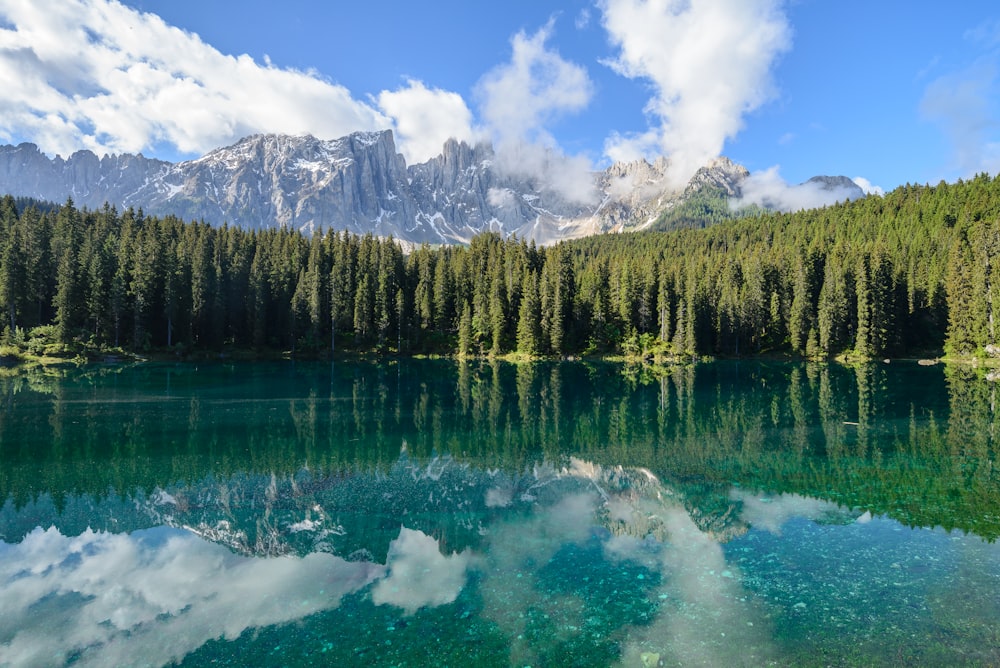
[358,183]
[90,181]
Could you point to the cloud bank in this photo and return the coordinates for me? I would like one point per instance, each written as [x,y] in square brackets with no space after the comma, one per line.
[768,189]
[118,596]
[96,74]
[709,63]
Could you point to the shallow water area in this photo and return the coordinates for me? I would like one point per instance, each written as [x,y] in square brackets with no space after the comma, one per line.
[544,514]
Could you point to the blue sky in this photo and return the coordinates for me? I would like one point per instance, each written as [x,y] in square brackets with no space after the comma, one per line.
[891,91]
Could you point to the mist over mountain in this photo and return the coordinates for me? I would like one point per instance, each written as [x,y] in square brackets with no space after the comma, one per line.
[362,184]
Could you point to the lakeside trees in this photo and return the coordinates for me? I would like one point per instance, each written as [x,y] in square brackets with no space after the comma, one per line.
[909,272]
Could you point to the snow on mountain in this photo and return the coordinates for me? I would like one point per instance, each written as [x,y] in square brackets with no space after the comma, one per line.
[358,183]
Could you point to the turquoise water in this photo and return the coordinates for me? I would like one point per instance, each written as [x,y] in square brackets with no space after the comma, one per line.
[552,514]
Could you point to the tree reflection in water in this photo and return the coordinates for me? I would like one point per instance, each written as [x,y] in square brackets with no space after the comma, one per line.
[686,514]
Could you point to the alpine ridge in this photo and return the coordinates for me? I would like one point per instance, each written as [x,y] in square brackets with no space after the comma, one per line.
[360,183]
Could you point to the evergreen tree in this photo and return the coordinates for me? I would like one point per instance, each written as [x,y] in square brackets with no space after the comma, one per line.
[13,278]
[832,311]
[69,288]
[465,336]
[529,331]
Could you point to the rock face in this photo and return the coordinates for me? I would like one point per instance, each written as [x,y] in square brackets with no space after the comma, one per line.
[358,183]
[90,181]
[838,184]
[723,174]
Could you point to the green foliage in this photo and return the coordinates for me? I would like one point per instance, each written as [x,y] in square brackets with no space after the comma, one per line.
[912,272]
[707,206]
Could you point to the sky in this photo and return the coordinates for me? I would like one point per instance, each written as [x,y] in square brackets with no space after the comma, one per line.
[887,93]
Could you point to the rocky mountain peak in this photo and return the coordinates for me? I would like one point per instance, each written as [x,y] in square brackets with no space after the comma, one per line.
[360,183]
[835,183]
[720,173]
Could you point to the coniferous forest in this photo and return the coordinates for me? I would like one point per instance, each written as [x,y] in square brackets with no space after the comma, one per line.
[909,273]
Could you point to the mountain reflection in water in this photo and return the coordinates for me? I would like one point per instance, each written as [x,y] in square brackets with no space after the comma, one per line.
[538,514]
[115,596]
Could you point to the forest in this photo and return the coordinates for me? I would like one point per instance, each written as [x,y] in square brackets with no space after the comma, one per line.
[908,273]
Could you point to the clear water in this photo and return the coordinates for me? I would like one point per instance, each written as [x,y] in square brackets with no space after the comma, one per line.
[430,513]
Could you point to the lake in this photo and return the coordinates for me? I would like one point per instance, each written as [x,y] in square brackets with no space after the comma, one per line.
[425,512]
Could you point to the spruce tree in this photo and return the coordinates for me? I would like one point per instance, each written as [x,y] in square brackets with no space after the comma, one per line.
[529,331]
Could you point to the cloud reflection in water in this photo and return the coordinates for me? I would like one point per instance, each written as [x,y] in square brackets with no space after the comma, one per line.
[597,557]
[161,593]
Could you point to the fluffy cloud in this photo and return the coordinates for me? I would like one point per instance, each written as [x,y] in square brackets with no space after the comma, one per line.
[571,177]
[424,118]
[419,575]
[709,62]
[767,188]
[520,98]
[96,74]
[499,198]
[537,86]
[116,596]
[869,187]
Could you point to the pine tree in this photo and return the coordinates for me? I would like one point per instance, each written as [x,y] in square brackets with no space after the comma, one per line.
[204,281]
[13,278]
[443,293]
[68,297]
[465,336]
[799,317]
[832,312]
[259,296]
[529,331]
[864,341]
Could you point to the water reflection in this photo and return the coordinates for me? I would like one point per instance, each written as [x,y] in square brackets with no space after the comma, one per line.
[105,599]
[579,563]
[726,514]
[912,442]
[419,575]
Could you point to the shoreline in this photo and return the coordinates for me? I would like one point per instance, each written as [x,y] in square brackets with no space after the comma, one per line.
[11,361]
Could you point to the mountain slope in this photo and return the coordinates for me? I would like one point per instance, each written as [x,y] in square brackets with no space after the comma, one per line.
[362,184]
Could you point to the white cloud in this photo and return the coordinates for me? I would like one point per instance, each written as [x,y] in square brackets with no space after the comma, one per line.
[869,187]
[709,62]
[499,198]
[767,188]
[419,575]
[520,98]
[963,104]
[771,513]
[117,596]
[96,74]
[569,176]
[425,118]
[537,86]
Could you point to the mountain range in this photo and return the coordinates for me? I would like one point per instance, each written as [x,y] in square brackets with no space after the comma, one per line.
[362,184]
